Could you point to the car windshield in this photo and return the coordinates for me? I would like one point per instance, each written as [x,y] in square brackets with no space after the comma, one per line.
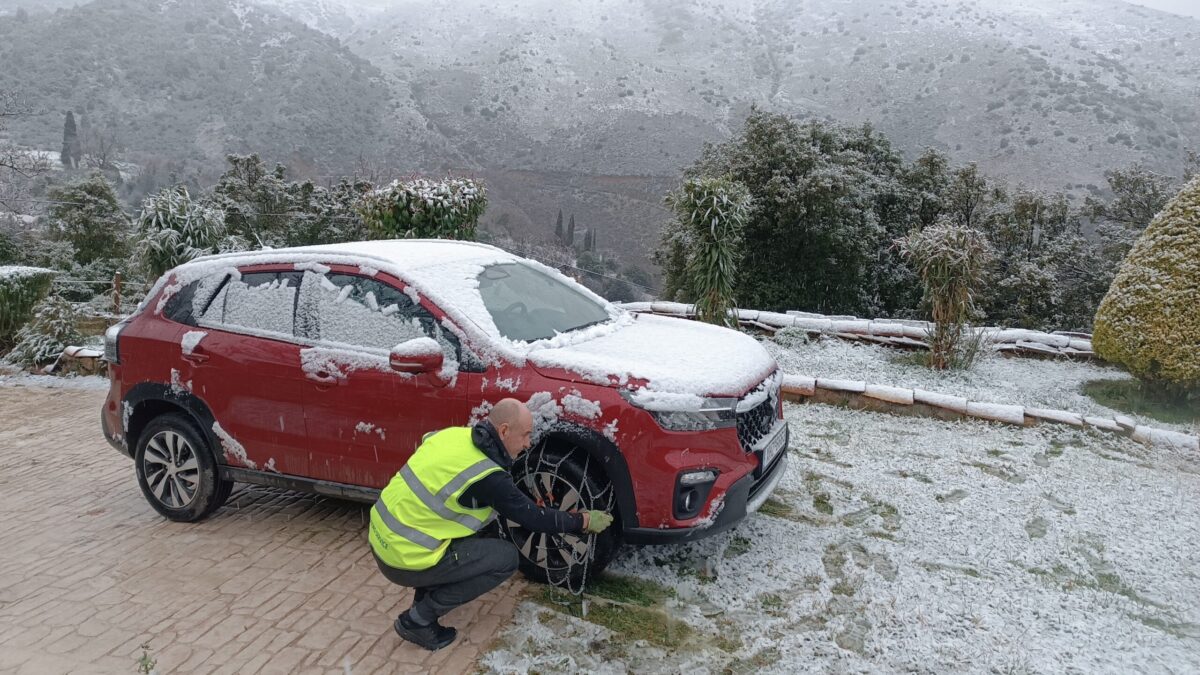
[529,305]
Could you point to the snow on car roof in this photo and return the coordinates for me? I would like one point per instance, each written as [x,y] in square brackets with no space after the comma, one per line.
[446,271]
[403,254]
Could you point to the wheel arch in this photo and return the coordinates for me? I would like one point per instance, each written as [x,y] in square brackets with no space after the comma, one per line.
[606,456]
[149,400]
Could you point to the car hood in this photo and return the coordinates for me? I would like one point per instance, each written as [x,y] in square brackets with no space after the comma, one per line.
[663,354]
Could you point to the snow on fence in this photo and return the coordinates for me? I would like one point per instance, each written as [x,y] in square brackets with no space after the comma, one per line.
[903,333]
[884,398]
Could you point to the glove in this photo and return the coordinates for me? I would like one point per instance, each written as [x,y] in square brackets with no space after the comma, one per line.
[598,521]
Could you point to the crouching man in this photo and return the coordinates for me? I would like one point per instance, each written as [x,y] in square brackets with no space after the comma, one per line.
[423,527]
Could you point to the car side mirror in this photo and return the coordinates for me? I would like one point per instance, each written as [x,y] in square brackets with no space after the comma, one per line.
[420,355]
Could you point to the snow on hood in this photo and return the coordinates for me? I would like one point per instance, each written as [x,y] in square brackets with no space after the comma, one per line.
[674,356]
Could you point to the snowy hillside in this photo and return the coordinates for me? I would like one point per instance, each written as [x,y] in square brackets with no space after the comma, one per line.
[1036,91]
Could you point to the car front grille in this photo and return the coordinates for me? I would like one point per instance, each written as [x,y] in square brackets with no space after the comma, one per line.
[754,424]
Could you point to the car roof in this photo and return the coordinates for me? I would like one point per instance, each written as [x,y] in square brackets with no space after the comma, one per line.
[404,254]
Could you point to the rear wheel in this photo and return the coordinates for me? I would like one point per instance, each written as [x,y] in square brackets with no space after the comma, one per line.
[562,478]
[176,470]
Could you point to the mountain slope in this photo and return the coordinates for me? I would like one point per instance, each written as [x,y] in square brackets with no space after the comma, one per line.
[195,80]
[1044,92]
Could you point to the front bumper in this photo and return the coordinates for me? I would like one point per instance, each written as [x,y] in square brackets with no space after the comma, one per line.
[745,496]
[115,440]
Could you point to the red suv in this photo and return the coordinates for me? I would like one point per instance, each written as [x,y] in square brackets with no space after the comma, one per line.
[320,368]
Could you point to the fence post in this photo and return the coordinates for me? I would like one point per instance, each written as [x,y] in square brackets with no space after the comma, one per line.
[117,293]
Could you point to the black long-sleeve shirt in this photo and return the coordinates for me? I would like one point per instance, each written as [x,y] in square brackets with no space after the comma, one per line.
[498,491]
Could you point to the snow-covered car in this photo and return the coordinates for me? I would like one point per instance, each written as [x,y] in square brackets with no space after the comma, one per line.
[320,368]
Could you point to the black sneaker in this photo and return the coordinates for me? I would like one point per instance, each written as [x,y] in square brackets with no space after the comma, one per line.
[432,637]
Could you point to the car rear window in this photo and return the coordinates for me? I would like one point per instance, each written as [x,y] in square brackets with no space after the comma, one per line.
[263,302]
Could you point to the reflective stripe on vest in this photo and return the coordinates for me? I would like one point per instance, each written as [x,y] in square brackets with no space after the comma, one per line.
[418,513]
[401,530]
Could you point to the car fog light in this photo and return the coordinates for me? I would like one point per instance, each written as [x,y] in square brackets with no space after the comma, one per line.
[697,477]
[692,489]
[689,501]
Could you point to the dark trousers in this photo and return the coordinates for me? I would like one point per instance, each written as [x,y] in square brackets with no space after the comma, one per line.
[471,567]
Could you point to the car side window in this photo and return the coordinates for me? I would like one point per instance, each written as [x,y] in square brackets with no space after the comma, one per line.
[263,302]
[365,312]
[179,307]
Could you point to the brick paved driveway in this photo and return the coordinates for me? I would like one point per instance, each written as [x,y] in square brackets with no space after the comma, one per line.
[272,582]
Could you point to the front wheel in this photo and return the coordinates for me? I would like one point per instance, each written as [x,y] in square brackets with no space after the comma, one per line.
[176,470]
[559,478]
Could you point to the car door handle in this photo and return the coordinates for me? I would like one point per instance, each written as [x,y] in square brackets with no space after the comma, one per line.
[196,357]
[324,380]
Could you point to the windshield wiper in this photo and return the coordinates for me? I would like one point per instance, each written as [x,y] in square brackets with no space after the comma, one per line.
[591,323]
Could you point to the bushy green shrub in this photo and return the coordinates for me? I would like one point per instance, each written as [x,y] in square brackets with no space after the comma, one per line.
[51,330]
[21,288]
[421,208]
[173,229]
[1149,322]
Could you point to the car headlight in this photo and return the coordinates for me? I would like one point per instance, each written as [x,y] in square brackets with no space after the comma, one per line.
[686,412]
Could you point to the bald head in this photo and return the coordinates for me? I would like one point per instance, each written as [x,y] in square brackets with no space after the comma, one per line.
[514,423]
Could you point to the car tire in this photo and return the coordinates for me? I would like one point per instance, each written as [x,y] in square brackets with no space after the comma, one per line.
[176,470]
[560,479]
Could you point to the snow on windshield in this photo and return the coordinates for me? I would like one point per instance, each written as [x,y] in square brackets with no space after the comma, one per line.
[527,305]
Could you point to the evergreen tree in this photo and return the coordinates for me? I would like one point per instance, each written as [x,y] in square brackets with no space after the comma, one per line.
[558,228]
[71,148]
[263,208]
[1138,194]
[90,218]
[827,203]
[570,236]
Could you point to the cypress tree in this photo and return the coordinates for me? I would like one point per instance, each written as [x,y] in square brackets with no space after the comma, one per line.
[1149,322]
[558,229]
[570,240]
[70,148]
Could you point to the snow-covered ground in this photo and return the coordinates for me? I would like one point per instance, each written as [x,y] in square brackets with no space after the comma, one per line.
[19,379]
[1031,382]
[906,544]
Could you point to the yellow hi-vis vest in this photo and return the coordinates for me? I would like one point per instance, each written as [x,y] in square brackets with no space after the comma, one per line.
[418,514]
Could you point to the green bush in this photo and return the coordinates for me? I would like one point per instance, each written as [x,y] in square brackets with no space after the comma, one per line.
[51,330]
[173,229]
[421,208]
[1149,322]
[20,290]
[90,217]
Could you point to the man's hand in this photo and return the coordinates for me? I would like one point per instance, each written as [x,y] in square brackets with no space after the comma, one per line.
[595,522]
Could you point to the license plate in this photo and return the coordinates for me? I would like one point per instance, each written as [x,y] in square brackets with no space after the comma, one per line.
[774,446]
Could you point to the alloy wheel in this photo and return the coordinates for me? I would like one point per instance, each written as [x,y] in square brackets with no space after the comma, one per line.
[556,553]
[171,470]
